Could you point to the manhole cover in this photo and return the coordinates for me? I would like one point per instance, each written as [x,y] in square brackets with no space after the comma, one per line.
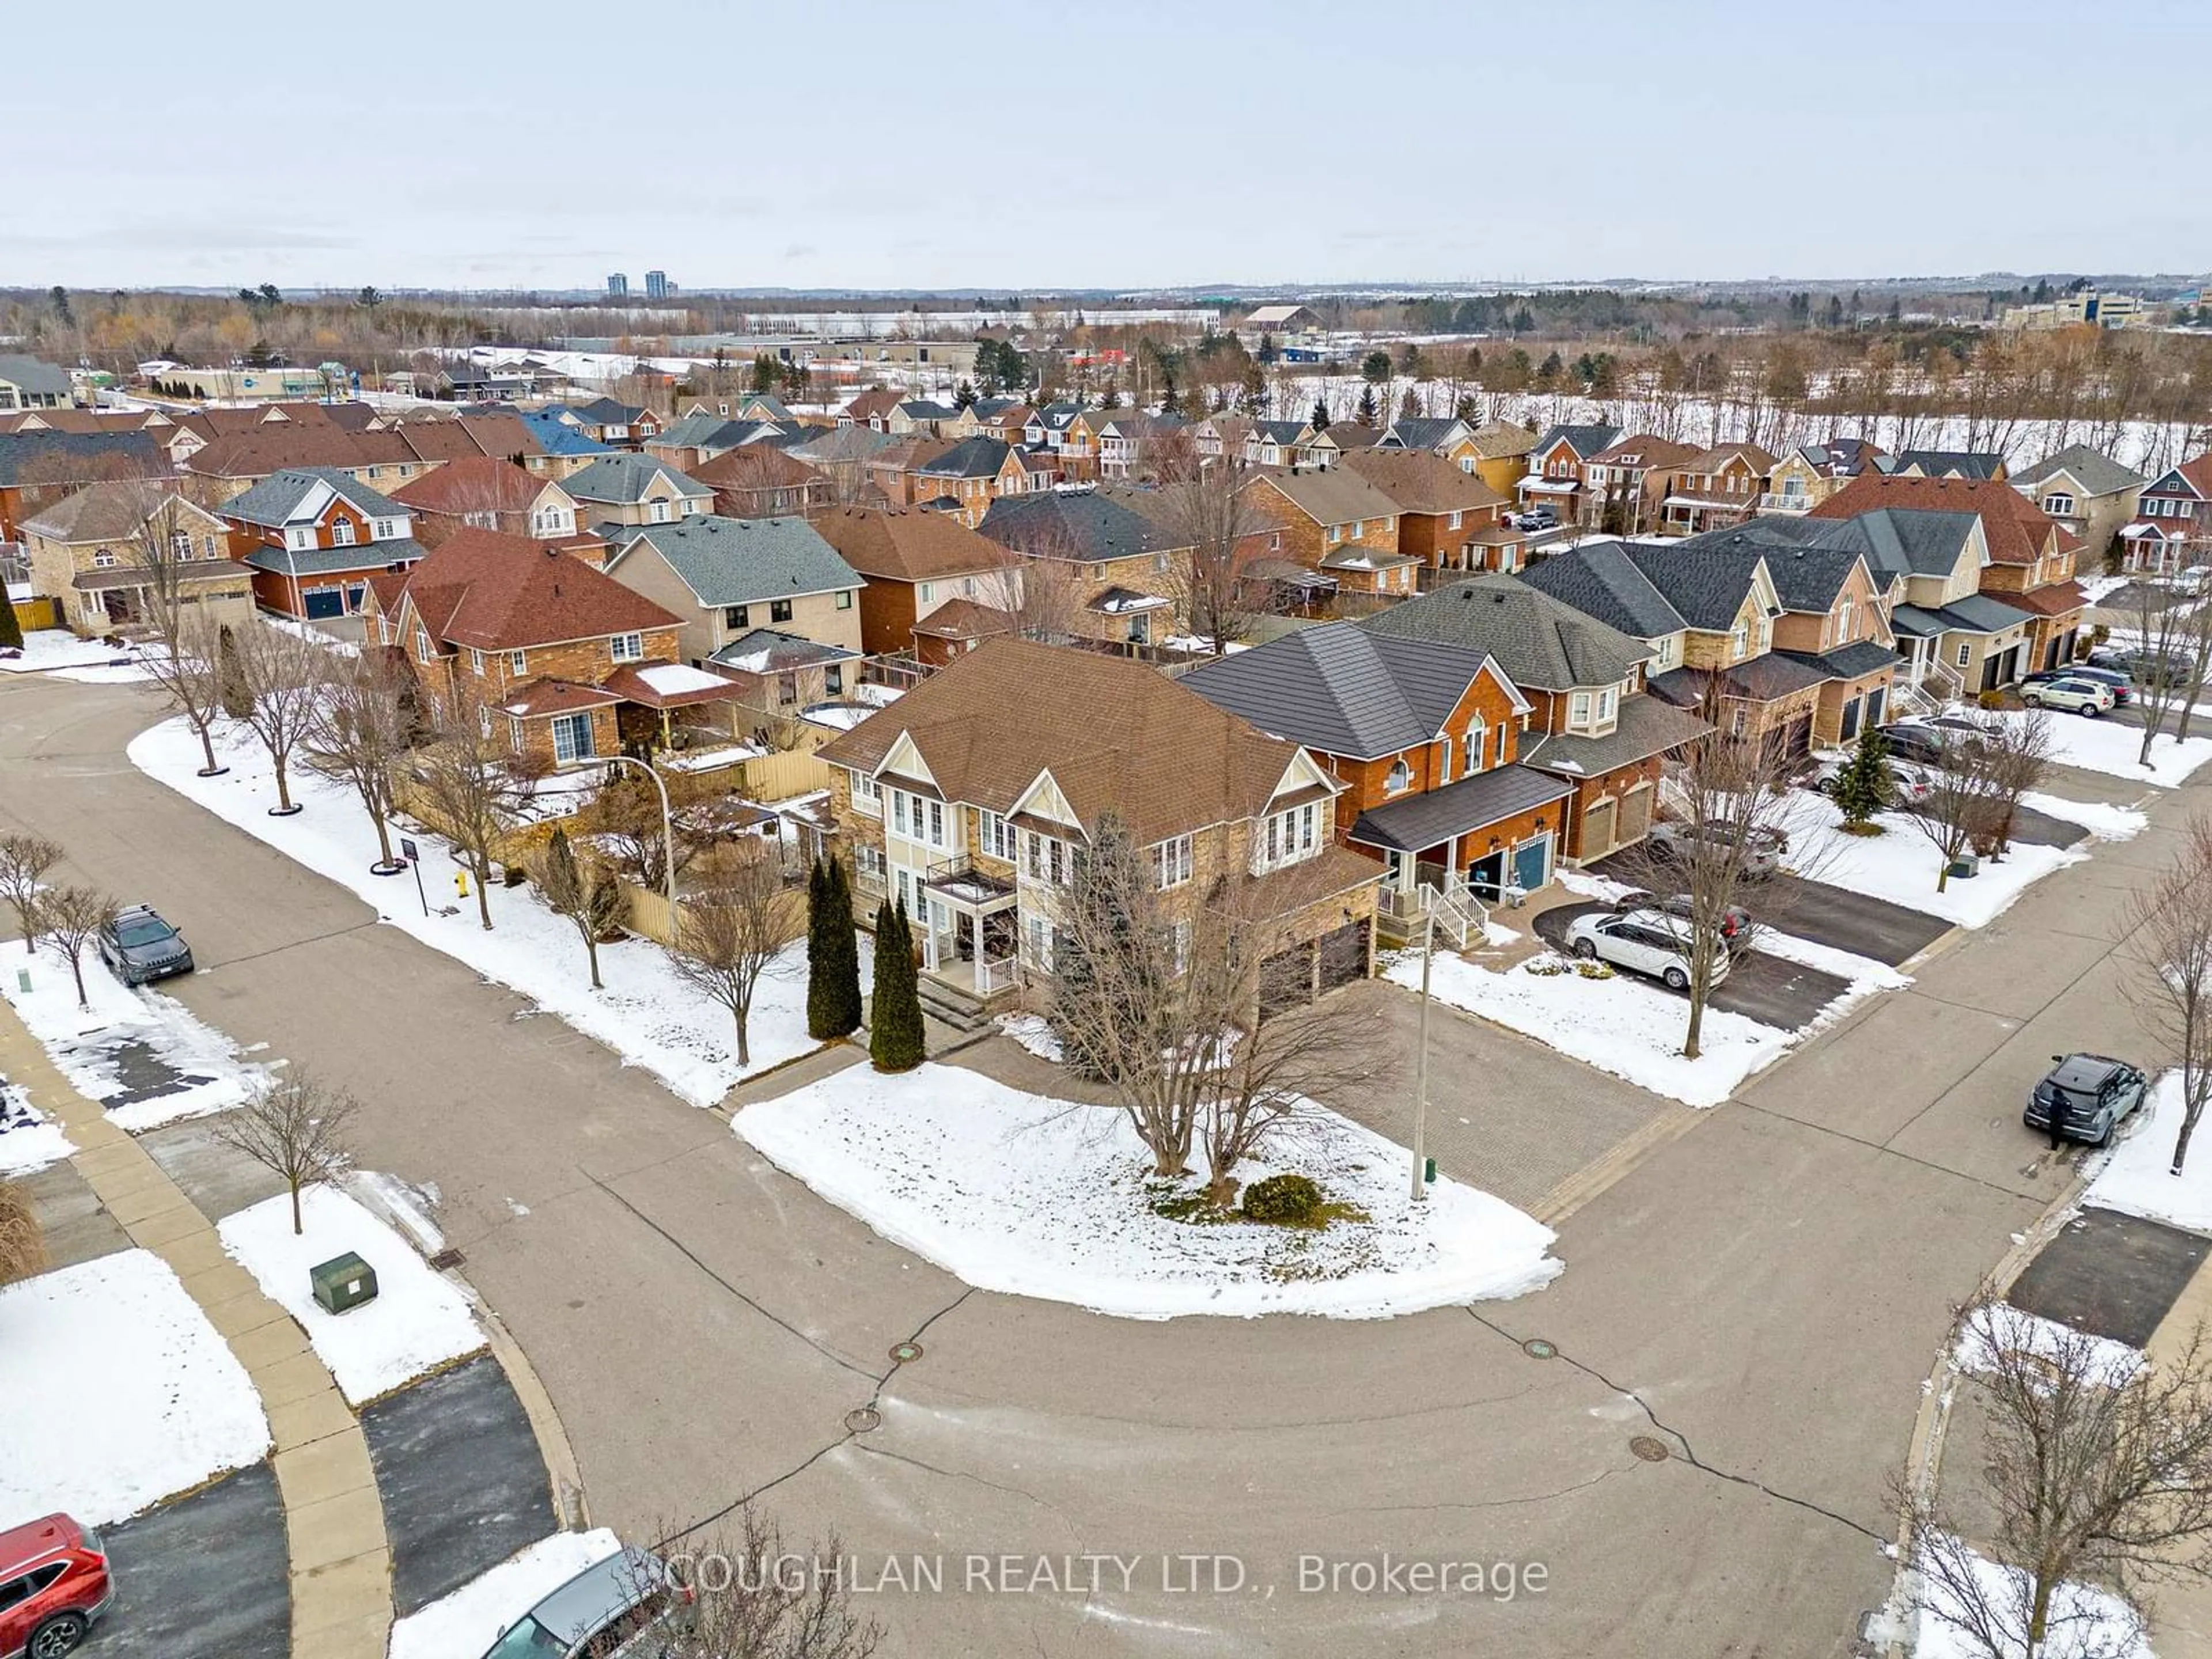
[863,1419]
[1650,1450]
[905,1353]
[446,1261]
[1536,1348]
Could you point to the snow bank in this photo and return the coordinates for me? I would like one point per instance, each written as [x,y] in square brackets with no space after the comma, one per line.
[646,1014]
[418,1322]
[1901,864]
[120,1393]
[28,1140]
[465,1624]
[2015,1330]
[2103,821]
[1034,1033]
[90,1045]
[2105,745]
[1032,1196]
[2135,1180]
[2083,1619]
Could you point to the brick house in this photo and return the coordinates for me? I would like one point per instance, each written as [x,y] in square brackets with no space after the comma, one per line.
[496,495]
[611,422]
[313,536]
[1626,483]
[963,481]
[625,489]
[87,553]
[761,481]
[1715,488]
[2088,494]
[1591,723]
[1441,509]
[914,565]
[967,799]
[1120,563]
[39,468]
[1424,737]
[870,409]
[724,578]
[1554,474]
[691,441]
[1954,639]
[1810,473]
[2172,526]
[560,659]
[1338,524]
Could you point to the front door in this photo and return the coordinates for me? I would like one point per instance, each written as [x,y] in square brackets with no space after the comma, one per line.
[1877,704]
[1850,725]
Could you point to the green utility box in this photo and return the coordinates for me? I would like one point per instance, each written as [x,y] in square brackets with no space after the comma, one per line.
[343,1282]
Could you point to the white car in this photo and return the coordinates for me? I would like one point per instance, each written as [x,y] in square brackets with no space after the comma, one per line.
[2085,697]
[1644,941]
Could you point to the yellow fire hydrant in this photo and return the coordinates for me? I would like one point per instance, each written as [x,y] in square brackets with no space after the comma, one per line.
[461,883]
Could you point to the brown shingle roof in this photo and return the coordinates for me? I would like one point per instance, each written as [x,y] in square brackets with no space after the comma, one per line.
[2017,529]
[965,619]
[1422,481]
[756,467]
[110,511]
[1115,735]
[1495,440]
[262,449]
[496,592]
[1713,459]
[897,545]
[475,484]
[1336,496]
[1644,451]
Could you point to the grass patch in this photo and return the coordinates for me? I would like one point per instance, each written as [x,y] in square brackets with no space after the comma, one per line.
[1868,829]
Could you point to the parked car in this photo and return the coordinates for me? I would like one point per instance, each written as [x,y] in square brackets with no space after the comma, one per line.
[1909,782]
[54,1587]
[139,947]
[1932,744]
[1536,518]
[2090,1094]
[1644,941]
[2144,667]
[627,1607]
[1763,847]
[2083,697]
[2122,688]
[1736,922]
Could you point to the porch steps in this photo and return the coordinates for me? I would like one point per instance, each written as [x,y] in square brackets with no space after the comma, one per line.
[951,1005]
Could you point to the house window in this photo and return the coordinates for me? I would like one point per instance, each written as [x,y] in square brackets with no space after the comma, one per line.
[475,661]
[1171,862]
[734,616]
[1179,938]
[833,680]
[787,689]
[867,795]
[779,610]
[517,662]
[2058,504]
[1285,837]
[628,647]
[572,739]
[1472,762]
[660,512]
[207,545]
[1040,943]
[1606,701]
[514,733]
[928,592]
[1443,757]
[1578,710]
[1740,721]
[1843,618]
[1966,653]
[104,559]
[998,838]
[1401,777]
[301,538]
[868,861]
[423,651]
[483,723]
[342,532]
[1739,640]
[1045,859]
[1455,521]
[844,599]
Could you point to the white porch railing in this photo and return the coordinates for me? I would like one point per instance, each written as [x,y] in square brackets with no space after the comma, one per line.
[992,977]
[1950,685]
[1459,915]
[1783,502]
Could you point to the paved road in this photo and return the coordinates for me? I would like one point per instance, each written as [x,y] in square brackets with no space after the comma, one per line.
[1767,988]
[1760,1294]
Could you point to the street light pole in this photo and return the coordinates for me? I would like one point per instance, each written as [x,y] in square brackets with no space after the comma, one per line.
[668,822]
[1421,1064]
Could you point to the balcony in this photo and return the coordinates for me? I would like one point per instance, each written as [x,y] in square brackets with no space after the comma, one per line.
[960,880]
[1786,501]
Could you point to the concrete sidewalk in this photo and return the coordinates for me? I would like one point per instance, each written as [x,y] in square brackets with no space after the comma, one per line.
[2181,1616]
[341,1561]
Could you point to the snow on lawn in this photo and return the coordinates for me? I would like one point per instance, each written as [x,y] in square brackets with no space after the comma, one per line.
[118,1349]
[645,1015]
[1034,1033]
[60,655]
[1032,1196]
[2104,745]
[418,1322]
[137,1030]
[467,1622]
[28,1141]
[1622,1025]
[2103,821]
[2016,1330]
[2083,1619]
[2135,1180]
[1899,865]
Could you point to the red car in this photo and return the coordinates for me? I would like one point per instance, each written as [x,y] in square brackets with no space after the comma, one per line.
[53,1585]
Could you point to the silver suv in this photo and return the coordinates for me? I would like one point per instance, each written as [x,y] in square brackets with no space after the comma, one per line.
[627,1607]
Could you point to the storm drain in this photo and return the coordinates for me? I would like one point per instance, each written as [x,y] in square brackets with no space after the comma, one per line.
[905,1353]
[1650,1450]
[863,1420]
[1536,1348]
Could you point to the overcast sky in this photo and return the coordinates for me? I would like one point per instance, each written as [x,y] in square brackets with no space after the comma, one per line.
[867,143]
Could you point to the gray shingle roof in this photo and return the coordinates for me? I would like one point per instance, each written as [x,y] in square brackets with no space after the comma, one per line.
[1807,558]
[66,456]
[1536,640]
[1848,662]
[743,560]
[1420,432]
[33,376]
[1603,581]
[1083,526]
[1761,679]
[1420,822]
[1646,726]
[1342,689]
[278,497]
[1981,465]
[770,651]
[327,560]
[1908,540]
[971,458]
[1585,440]
[625,476]
[2095,470]
[1706,586]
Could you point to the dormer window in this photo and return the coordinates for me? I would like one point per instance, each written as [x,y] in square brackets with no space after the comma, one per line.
[2058,504]
[104,559]
[342,532]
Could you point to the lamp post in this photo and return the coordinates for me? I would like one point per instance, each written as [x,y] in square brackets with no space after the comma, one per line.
[667,820]
[1421,1063]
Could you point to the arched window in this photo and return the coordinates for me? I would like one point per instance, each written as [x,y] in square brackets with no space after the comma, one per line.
[1401,777]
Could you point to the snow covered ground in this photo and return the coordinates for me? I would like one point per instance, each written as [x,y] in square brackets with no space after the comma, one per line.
[1901,865]
[465,1624]
[108,1050]
[28,1140]
[646,1014]
[2102,820]
[60,654]
[118,1392]
[2084,1620]
[2105,745]
[418,1322]
[2015,1330]
[2135,1180]
[1033,1197]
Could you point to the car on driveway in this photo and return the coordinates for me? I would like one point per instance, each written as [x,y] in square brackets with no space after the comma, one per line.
[627,1607]
[2144,667]
[1763,847]
[1909,782]
[1644,941]
[1536,518]
[139,947]
[2090,1095]
[54,1587]
[2084,698]
[1736,922]
[2122,688]
[1921,743]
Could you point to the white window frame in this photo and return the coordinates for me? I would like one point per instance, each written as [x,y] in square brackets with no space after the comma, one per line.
[1578,710]
[627,647]
[342,532]
[1471,758]
[1739,640]
[1045,859]
[1965,653]
[424,651]
[476,662]
[868,794]
[2058,504]
[561,723]
[1400,778]
[517,662]
[999,838]
[1171,862]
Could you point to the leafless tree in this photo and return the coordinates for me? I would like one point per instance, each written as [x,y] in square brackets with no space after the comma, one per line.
[471,790]
[358,733]
[755,1595]
[1964,804]
[25,858]
[2171,921]
[1169,995]
[1213,522]
[1046,588]
[585,893]
[72,918]
[22,1242]
[729,935]
[2173,628]
[623,819]
[2098,1466]
[296,1126]
[2019,758]
[180,663]
[285,672]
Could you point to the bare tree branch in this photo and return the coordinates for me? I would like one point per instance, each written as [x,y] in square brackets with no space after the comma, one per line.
[295,1128]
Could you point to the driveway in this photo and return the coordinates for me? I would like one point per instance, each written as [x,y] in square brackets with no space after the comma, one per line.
[204,1577]
[2111,1274]
[1769,989]
[1865,926]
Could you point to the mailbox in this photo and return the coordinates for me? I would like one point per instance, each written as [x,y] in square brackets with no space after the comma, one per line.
[343,1282]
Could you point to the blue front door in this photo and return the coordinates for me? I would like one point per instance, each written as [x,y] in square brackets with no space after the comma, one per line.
[1532,863]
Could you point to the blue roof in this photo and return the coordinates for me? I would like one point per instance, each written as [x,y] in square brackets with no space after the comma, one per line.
[559,438]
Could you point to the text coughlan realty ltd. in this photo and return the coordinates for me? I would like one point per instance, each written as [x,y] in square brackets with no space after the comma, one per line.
[1098,1573]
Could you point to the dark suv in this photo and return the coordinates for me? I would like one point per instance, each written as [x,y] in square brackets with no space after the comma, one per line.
[2088,1093]
[139,947]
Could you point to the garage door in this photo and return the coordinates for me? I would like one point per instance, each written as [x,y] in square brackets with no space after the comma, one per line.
[1532,863]
[1635,813]
[1286,980]
[321,602]
[1597,829]
[1797,737]
[1344,955]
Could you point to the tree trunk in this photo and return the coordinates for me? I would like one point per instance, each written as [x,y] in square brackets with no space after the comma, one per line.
[1943,873]
[76,967]
[1690,1038]
[299,1227]
[482,870]
[283,785]
[744,1054]
[2038,1617]
[2192,1096]
[383,836]
[207,747]
[592,950]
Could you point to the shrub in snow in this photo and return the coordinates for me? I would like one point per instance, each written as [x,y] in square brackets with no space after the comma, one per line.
[895,1039]
[1594,970]
[1289,1200]
[833,955]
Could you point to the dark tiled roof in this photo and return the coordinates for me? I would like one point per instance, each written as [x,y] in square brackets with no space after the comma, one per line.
[1706,586]
[1585,440]
[1647,726]
[1536,640]
[1847,662]
[1808,561]
[1761,679]
[77,457]
[1604,582]
[2095,472]
[1981,465]
[1420,822]
[1071,525]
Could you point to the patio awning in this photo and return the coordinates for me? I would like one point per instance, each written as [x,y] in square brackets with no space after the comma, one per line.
[1420,822]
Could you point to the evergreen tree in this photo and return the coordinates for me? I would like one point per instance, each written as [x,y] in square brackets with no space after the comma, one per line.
[964,396]
[1375,368]
[1113,398]
[895,1038]
[833,955]
[1267,348]
[11,626]
[1319,419]
[1863,788]
[232,689]
[818,952]
[1170,400]
[845,951]
[1466,409]
[1365,415]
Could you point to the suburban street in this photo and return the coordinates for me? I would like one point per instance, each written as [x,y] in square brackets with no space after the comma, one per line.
[1759,1288]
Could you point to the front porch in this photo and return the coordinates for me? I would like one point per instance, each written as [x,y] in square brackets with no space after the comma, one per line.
[1456,852]
[969,921]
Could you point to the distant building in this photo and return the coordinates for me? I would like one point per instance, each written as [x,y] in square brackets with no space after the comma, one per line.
[2086,309]
[657,285]
[618,287]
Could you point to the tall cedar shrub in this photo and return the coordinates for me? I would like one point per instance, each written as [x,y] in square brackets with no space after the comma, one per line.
[818,952]
[843,967]
[11,626]
[894,1041]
